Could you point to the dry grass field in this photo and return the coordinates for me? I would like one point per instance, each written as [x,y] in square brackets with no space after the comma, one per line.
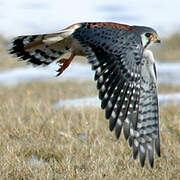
[37,142]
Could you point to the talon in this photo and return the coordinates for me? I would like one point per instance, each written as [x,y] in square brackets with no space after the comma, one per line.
[64,63]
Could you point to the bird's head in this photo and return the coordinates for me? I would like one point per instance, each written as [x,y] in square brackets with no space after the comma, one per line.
[148,35]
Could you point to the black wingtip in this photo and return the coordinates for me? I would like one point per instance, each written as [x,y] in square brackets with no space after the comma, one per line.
[118,131]
[131,141]
[151,154]
[152,163]
[112,123]
[142,162]
[142,154]
[157,147]
[135,152]
[126,130]
[142,158]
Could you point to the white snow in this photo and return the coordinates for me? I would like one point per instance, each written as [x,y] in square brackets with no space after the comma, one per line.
[88,101]
[42,16]
[34,161]
[168,73]
[29,73]
[95,102]
[169,98]
[23,75]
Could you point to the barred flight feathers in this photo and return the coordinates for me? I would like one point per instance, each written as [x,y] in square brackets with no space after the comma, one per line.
[121,67]
[40,49]
[124,71]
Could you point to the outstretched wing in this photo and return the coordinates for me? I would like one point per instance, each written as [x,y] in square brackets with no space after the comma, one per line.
[116,56]
[145,135]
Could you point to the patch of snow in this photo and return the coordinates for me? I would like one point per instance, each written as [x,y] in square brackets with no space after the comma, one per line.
[82,136]
[34,160]
[81,102]
[26,74]
[94,101]
[169,98]
[168,73]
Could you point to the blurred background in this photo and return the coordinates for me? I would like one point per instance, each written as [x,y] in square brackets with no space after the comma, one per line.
[40,16]
[20,17]
[33,99]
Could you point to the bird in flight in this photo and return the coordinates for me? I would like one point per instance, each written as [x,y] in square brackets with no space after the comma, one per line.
[124,70]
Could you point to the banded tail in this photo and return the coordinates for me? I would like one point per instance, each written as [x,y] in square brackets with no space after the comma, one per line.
[44,49]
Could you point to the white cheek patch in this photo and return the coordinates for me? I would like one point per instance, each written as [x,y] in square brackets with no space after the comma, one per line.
[145,41]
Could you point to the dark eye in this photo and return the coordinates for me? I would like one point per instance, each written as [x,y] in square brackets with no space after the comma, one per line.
[148,35]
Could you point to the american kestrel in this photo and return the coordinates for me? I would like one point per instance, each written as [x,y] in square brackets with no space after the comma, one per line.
[124,70]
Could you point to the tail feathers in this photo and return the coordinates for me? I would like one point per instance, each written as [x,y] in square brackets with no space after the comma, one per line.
[37,50]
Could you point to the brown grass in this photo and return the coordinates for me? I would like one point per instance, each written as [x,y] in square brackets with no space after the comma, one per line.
[73,143]
[168,88]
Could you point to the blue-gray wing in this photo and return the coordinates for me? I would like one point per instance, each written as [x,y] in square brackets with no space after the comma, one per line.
[126,87]
[144,136]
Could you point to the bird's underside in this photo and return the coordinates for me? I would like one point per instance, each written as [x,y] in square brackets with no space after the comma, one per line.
[124,71]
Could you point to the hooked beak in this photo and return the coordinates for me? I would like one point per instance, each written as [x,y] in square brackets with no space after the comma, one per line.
[157,41]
